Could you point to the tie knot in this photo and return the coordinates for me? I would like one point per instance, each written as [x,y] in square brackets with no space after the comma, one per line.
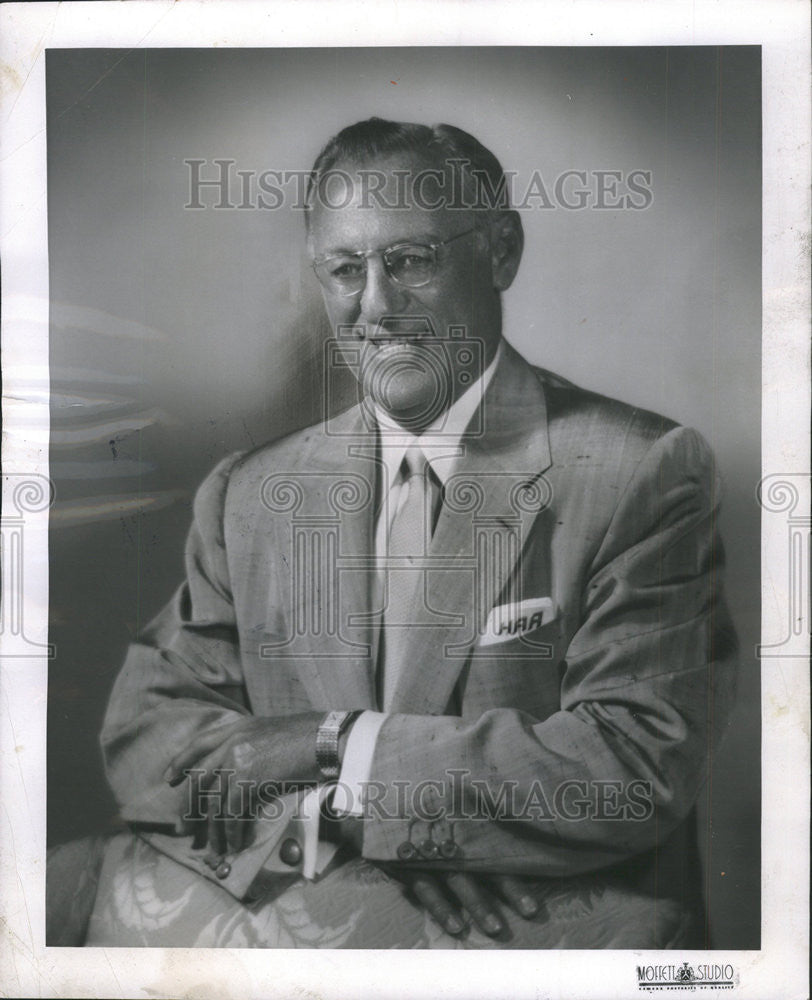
[414,463]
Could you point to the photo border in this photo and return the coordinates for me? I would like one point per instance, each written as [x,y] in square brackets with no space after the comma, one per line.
[779,969]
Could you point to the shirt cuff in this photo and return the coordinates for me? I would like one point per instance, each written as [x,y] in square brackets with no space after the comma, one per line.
[302,831]
[356,767]
[317,853]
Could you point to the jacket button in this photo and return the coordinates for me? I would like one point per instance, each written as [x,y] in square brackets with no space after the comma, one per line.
[290,852]
[429,849]
[223,870]
[406,851]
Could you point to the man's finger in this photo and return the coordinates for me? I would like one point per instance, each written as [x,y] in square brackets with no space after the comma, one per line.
[199,829]
[217,837]
[515,893]
[428,892]
[216,825]
[476,901]
[236,816]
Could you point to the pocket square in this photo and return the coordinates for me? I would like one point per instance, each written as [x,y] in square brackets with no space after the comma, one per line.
[511,621]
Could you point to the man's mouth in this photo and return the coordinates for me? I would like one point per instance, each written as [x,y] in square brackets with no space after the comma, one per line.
[400,330]
[394,339]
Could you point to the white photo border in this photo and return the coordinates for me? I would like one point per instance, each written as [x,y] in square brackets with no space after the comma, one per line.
[781,27]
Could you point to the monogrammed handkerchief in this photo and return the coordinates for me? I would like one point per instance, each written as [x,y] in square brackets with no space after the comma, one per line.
[511,621]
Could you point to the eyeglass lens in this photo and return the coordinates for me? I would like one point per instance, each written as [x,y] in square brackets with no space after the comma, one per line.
[408,265]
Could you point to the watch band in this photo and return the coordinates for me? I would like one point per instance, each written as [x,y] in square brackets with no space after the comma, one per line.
[332,726]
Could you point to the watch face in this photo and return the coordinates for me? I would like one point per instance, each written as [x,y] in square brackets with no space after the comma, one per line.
[335,720]
[328,722]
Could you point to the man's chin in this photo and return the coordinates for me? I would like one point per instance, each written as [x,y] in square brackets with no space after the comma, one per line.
[415,419]
[413,396]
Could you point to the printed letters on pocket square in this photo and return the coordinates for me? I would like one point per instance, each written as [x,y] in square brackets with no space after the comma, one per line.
[511,621]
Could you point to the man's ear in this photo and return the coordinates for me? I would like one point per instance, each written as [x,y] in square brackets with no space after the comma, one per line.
[507,243]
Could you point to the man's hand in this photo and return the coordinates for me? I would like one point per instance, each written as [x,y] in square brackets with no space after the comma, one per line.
[446,894]
[443,894]
[235,766]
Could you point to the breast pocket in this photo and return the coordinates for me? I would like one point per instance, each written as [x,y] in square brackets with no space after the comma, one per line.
[522,672]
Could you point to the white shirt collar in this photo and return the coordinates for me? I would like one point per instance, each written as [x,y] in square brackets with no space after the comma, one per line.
[440,442]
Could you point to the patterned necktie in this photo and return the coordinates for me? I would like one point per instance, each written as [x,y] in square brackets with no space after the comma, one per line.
[409,536]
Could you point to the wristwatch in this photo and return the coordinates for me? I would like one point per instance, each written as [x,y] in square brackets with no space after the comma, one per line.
[332,726]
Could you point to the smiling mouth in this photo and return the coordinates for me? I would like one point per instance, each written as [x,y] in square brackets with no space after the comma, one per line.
[400,330]
[397,339]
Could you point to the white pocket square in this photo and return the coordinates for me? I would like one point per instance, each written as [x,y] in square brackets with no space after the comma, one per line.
[511,621]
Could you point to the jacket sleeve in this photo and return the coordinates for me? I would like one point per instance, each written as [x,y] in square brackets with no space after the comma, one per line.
[646,687]
[182,676]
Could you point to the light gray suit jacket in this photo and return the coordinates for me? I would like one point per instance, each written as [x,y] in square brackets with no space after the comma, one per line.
[607,510]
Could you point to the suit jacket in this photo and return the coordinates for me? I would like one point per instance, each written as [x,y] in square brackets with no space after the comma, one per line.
[580,742]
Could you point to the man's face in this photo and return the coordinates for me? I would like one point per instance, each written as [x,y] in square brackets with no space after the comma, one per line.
[413,363]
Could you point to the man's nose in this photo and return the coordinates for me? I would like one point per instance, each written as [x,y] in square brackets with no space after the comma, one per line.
[382,295]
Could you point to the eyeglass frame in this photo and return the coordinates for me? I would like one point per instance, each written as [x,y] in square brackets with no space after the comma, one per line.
[366,254]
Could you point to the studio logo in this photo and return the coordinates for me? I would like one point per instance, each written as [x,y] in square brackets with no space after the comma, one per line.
[686,977]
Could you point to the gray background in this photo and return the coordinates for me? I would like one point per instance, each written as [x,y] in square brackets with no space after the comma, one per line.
[178,336]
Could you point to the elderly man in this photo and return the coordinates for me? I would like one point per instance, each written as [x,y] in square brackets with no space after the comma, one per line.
[445,669]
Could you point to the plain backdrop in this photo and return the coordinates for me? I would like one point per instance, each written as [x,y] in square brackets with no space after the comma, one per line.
[178,336]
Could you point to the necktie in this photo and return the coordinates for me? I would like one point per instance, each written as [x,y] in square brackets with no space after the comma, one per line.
[409,536]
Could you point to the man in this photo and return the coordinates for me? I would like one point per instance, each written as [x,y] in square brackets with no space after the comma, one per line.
[485,600]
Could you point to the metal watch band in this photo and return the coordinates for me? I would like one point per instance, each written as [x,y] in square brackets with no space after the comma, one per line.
[332,726]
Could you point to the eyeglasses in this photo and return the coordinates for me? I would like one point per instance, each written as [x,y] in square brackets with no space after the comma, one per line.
[409,264]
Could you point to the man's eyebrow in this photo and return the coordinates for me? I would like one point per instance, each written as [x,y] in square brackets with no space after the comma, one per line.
[334,251]
[413,238]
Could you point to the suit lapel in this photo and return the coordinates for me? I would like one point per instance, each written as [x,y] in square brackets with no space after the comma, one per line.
[332,561]
[491,500]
